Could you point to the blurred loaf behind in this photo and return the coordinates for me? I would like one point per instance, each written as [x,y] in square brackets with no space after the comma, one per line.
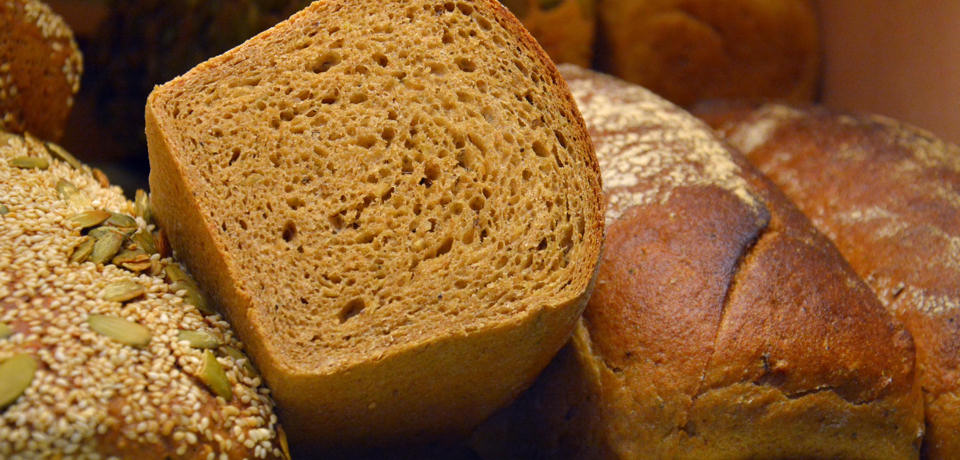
[888,194]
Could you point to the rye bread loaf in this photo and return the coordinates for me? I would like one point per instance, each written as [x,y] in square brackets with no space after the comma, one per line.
[40,67]
[397,205]
[565,28]
[888,195]
[722,325]
[93,362]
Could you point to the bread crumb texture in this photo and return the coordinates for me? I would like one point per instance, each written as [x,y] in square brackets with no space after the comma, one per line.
[40,69]
[92,396]
[643,157]
[385,173]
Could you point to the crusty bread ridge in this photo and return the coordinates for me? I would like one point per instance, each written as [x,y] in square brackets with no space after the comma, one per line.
[396,203]
[722,326]
[90,395]
[40,67]
[888,195]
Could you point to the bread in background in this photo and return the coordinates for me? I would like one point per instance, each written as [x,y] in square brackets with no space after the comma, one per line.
[40,69]
[722,325]
[888,194]
[564,28]
[692,50]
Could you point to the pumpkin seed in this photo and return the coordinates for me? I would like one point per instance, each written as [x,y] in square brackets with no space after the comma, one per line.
[193,296]
[237,356]
[58,152]
[175,273]
[107,245]
[82,250]
[134,260]
[121,221]
[16,373]
[6,137]
[122,291]
[5,330]
[145,242]
[214,377]
[199,339]
[121,330]
[141,203]
[90,218]
[4,210]
[30,162]
[71,194]
[100,177]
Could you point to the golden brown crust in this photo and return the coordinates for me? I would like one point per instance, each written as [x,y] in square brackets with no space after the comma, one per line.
[688,51]
[886,193]
[565,28]
[40,68]
[723,325]
[418,389]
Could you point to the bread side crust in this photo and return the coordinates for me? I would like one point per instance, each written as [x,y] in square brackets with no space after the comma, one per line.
[422,390]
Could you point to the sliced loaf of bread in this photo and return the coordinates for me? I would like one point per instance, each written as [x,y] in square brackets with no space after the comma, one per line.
[396,203]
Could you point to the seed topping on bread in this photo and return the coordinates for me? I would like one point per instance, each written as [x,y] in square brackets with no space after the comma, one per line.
[112,376]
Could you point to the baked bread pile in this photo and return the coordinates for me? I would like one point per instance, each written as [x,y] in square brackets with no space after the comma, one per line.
[395,202]
[722,326]
[888,194]
[107,348]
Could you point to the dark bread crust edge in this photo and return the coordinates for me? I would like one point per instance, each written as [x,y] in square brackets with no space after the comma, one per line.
[880,189]
[476,373]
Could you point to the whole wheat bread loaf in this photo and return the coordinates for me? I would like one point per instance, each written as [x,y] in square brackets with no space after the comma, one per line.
[722,326]
[888,195]
[396,203]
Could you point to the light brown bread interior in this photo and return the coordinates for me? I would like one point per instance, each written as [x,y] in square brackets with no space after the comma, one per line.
[372,177]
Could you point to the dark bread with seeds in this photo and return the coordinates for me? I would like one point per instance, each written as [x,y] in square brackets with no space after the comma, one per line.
[90,395]
[888,195]
[722,325]
[395,202]
[40,68]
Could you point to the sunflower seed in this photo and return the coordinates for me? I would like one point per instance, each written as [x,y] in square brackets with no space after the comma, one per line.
[193,296]
[5,330]
[100,177]
[58,152]
[144,241]
[141,203]
[82,250]
[90,218]
[199,339]
[30,162]
[239,356]
[106,247]
[16,373]
[121,330]
[122,291]
[214,377]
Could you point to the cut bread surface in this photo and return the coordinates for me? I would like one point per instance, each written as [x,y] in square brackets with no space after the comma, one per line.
[377,174]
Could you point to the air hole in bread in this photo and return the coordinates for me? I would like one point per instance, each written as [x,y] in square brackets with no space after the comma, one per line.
[466,64]
[351,309]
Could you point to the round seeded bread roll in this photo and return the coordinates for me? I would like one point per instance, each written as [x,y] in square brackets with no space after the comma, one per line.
[104,351]
[564,28]
[40,67]
[692,50]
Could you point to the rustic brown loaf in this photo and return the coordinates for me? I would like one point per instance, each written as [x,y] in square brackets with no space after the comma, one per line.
[40,68]
[90,395]
[565,28]
[888,195]
[692,50]
[722,325]
[396,203]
